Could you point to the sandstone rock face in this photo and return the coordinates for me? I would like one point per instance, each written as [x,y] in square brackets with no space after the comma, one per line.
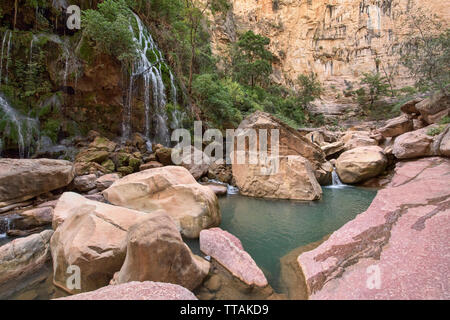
[25,178]
[444,148]
[229,252]
[90,235]
[338,40]
[294,179]
[137,291]
[397,126]
[413,144]
[23,256]
[360,164]
[156,252]
[402,237]
[192,206]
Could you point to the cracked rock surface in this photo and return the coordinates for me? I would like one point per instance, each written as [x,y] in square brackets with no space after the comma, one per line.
[397,249]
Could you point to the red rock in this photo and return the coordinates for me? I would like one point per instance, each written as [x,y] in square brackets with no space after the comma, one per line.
[229,252]
[137,291]
[404,233]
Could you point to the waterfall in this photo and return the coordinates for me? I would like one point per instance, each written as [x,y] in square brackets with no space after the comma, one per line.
[8,32]
[150,70]
[5,226]
[24,129]
[7,57]
[337,183]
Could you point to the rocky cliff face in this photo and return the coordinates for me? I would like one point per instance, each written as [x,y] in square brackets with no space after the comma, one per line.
[337,39]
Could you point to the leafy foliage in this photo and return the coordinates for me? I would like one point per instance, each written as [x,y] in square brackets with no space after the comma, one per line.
[109,28]
[426,51]
[252,62]
[375,86]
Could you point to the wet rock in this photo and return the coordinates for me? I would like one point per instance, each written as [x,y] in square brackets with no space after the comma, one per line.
[137,291]
[402,237]
[24,256]
[192,206]
[23,179]
[220,172]
[156,252]
[102,143]
[33,218]
[163,155]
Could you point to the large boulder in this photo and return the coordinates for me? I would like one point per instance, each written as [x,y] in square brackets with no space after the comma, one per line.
[413,144]
[36,217]
[360,164]
[85,183]
[229,252]
[356,139]
[106,181]
[156,252]
[291,142]
[299,161]
[397,249]
[434,108]
[23,179]
[293,178]
[137,291]
[91,236]
[397,126]
[23,256]
[333,149]
[192,206]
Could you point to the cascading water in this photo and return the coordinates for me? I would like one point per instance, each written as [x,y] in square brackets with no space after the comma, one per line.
[151,72]
[24,129]
[337,183]
[7,34]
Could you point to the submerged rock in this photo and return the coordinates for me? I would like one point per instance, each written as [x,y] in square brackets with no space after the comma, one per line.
[173,189]
[147,290]
[23,179]
[156,252]
[397,249]
[24,256]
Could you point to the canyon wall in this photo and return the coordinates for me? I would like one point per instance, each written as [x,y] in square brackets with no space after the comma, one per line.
[337,39]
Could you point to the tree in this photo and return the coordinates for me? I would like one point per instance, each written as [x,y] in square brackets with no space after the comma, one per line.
[310,88]
[252,62]
[376,84]
[426,50]
[194,14]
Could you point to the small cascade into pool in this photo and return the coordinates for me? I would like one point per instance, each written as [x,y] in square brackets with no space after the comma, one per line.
[150,67]
[5,226]
[337,183]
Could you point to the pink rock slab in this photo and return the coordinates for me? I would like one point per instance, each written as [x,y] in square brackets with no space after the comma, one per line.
[397,249]
[229,252]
